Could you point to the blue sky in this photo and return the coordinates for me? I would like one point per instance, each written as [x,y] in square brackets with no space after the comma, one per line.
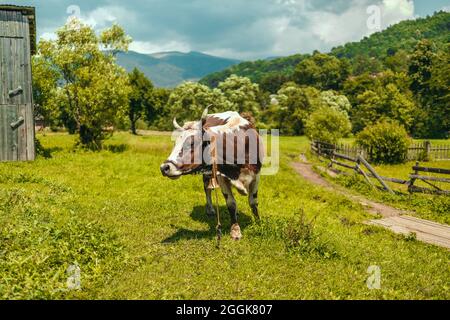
[243,29]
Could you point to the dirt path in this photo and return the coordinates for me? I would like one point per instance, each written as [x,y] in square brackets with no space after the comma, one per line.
[393,219]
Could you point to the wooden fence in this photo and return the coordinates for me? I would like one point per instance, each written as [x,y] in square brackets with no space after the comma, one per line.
[356,163]
[423,151]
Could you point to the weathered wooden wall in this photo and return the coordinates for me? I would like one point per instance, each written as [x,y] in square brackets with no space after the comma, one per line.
[16,141]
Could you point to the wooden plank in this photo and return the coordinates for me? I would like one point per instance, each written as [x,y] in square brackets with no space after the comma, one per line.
[431,170]
[375,174]
[426,231]
[342,164]
[413,188]
[345,157]
[413,176]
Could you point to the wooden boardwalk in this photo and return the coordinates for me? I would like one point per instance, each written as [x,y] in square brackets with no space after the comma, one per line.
[393,219]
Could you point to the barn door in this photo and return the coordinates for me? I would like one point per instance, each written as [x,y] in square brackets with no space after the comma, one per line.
[16,113]
[9,135]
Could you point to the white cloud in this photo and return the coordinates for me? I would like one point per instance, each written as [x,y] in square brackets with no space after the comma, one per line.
[147,47]
[103,17]
[351,24]
[49,36]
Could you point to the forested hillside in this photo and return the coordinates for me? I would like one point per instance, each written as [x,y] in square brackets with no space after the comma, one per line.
[382,46]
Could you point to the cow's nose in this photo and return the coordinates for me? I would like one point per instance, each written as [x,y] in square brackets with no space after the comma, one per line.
[165,169]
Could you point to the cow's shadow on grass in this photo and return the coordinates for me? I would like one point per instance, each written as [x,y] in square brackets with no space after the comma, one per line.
[198,214]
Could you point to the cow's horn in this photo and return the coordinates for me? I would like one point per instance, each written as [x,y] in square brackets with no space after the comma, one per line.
[205,113]
[176,125]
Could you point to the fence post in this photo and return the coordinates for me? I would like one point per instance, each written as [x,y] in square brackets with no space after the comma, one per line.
[428,150]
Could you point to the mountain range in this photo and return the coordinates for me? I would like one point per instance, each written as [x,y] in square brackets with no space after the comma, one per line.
[168,69]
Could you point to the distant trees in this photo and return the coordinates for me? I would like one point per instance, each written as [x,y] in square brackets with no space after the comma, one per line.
[241,93]
[429,72]
[141,98]
[322,71]
[91,89]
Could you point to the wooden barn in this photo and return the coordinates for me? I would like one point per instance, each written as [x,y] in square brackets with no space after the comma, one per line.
[17,44]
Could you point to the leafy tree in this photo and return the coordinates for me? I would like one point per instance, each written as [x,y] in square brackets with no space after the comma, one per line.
[294,106]
[386,142]
[188,100]
[381,103]
[44,90]
[420,66]
[140,97]
[328,125]
[157,113]
[241,93]
[272,82]
[398,61]
[93,89]
[322,71]
[439,105]
[430,83]
[336,101]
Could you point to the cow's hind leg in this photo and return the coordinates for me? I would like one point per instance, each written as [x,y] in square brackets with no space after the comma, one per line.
[253,197]
[209,208]
[225,185]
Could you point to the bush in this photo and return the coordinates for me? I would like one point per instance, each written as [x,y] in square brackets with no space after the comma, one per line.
[386,142]
[327,124]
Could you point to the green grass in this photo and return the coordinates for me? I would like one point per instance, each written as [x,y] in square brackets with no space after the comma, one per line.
[137,235]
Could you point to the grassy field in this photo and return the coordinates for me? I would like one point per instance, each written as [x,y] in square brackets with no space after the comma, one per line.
[136,235]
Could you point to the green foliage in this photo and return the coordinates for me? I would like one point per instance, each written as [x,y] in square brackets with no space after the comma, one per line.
[92,90]
[322,71]
[141,101]
[386,142]
[241,93]
[292,108]
[258,70]
[401,36]
[378,97]
[328,125]
[188,100]
[429,71]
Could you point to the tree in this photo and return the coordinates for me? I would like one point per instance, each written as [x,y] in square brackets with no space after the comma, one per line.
[188,100]
[322,71]
[93,89]
[336,101]
[44,90]
[328,125]
[381,103]
[420,66]
[385,141]
[294,106]
[157,113]
[429,71]
[241,93]
[140,97]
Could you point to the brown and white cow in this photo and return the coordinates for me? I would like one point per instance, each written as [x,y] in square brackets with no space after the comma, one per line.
[239,158]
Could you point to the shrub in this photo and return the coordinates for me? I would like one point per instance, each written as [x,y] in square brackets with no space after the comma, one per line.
[328,125]
[386,142]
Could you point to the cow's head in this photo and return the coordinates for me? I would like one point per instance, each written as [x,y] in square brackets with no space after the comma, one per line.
[186,156]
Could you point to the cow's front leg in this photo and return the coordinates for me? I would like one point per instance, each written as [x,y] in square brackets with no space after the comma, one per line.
[253,197]
[225,185]
[209,208]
